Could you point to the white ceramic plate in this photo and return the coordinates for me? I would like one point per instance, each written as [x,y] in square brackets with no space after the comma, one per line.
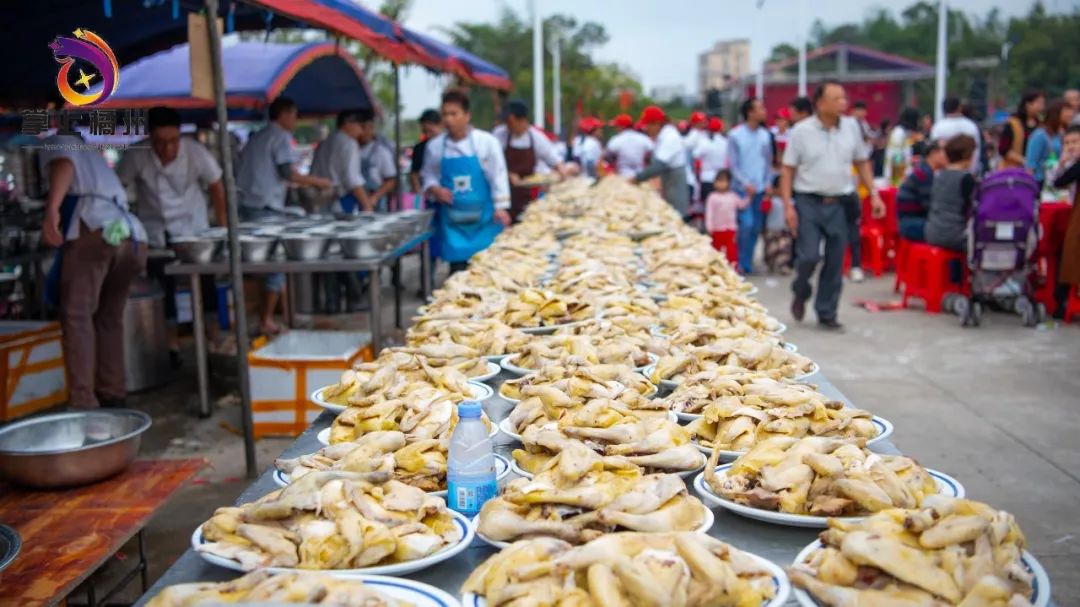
[780,582]
[946,484]
[781,329]
[502,469]
[686,418]
[493,369]
[518,470]
[706,524]
[508,364]
[753,290]
[666,384]
[805,376]
[884,426]
[1040,596]
[480,393]
[324,435]
[495,358]
[790,347]
[418,594]
[467,535]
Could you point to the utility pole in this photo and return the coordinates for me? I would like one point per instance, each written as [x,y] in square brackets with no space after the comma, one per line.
[802,48]
[538,64]
[942,58]
[556,80]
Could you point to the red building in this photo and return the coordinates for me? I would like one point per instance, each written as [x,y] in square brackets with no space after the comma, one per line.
[882,80]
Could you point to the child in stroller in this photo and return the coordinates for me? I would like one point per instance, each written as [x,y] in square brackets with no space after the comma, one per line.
[1003,233]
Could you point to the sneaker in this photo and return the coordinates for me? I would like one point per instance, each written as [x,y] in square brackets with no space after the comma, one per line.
[856,275]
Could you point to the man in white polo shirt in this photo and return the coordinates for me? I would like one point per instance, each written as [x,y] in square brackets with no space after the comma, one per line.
[815,183]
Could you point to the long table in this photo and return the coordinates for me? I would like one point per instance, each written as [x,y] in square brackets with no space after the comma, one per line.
[333,263]
[774,542]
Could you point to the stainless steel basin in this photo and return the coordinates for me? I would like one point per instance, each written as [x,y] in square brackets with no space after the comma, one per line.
[196,250]
[305,247]
[256,249]
[364,244]
[70,449]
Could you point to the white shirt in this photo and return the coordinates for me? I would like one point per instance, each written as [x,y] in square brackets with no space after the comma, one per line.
[546,156]
[257,179]
[951,126]
[629,149]
[337,158]
[668,147]
[587,149]
[822,157]
[380,164]
[692,140]
[171,198]
[102,199]
[712,153]
[477,143]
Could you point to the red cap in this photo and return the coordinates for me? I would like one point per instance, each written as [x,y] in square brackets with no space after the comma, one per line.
[653,114]
[589,124]
[697,118]
[622,120]
[784,113]
[716,125]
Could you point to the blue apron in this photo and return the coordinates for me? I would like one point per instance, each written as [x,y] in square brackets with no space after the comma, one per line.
[468,225]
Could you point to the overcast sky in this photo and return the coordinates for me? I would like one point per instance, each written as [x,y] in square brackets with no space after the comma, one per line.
[660,39]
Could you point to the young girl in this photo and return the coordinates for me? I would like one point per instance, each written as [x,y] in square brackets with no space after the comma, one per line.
[721,208]
[951,197]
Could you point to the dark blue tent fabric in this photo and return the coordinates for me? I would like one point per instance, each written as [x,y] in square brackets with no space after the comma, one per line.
[461,62]
[319,76]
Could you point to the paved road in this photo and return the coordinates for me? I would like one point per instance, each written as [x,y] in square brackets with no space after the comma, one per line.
[997,407]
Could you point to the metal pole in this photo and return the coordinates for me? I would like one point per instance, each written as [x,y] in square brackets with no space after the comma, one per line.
[942,59]
[556,81]
[235,274]
[538,65]
[802,65]
[759,84]
[397,138]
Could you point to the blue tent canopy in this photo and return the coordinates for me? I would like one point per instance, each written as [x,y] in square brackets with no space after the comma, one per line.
[320,76]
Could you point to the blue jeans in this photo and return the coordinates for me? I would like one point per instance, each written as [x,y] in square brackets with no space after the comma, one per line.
[750,223]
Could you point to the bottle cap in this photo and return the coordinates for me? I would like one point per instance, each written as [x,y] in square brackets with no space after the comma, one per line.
[469,409]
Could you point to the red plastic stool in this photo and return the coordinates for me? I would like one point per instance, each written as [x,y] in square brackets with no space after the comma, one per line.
[873,249]
[1072,305]
[901,260]
[927,275]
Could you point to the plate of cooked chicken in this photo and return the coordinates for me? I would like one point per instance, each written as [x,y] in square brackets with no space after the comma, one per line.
[947,552]
[305,588]
[804,482]
[628,568]
[334,520]
[381,456]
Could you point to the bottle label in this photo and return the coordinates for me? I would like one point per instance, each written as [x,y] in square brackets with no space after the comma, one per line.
[467,498]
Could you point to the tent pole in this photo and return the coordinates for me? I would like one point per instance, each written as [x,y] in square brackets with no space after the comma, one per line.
[397,138]
[237,277]
[941,67]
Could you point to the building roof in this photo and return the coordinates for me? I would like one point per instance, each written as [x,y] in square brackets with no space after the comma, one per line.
[846,63]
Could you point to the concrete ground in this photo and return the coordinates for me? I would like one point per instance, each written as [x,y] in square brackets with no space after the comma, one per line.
[996,407]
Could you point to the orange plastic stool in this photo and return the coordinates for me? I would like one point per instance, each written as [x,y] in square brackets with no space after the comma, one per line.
[927,275]
[1072,305]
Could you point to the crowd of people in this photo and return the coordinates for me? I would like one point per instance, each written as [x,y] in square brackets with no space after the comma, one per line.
[795,182]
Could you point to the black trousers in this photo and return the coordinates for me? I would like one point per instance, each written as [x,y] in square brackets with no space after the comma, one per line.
[853,215]
[820,223]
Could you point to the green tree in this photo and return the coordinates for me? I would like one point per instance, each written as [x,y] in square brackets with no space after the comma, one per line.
[592,87]
[1043,45]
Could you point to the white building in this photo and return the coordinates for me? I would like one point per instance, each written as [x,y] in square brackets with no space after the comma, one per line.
[727,61]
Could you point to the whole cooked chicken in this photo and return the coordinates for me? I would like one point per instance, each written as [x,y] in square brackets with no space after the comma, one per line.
[948,552]
[752,354]
[762,407]
[663,448]
[542,308]
[821,477]
[260,587]
[380,455]
[623,570]
[331,520]
[487,337]
[578,496]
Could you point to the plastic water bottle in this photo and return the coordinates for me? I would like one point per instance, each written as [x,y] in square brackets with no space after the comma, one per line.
[470,468]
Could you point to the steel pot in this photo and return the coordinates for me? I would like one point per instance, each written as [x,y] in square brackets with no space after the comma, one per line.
[257,249]
[70,449]
[196,250]
[305,247]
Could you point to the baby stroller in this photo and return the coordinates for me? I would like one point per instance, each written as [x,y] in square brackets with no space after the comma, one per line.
[1003,234]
